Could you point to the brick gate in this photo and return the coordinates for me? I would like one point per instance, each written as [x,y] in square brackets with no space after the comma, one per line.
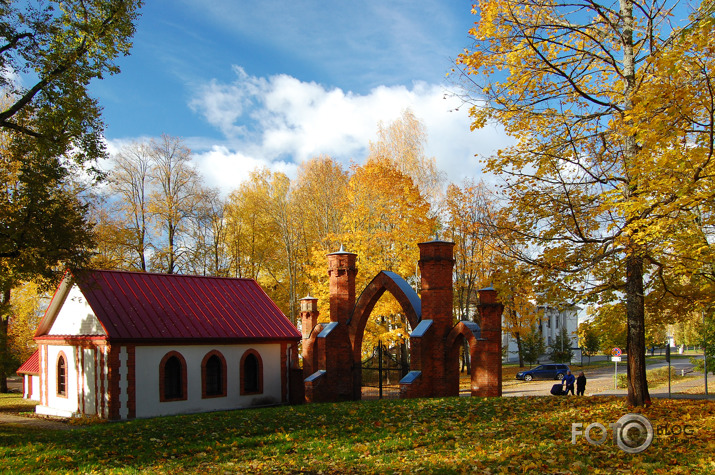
[332,351]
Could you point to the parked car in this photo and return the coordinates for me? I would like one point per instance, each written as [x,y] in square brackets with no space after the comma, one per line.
[544,371]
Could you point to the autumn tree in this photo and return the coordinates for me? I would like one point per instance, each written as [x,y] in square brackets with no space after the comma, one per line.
[49,126]
[466,210]
[533,345]
[44,226]
[386,217]
[27,311]
[512,281]
[111,236]
[248,227]
[688,331]
[403,143]
[560,349]
[286,225]
[264,237]
[59,48]
[608,324]
[591,181]
[174,199]
[207,253]
[321,199]
[129,185]
[588,339]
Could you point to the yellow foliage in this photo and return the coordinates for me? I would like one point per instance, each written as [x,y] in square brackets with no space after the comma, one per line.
[25,314]
[386,216]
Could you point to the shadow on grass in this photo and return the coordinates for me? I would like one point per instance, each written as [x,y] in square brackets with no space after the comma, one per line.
[431,435]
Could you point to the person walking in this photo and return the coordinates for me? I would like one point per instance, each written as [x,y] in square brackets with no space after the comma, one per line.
[568,381]
[580,384]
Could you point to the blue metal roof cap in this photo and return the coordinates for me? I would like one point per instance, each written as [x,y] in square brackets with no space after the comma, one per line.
[315,376]
[327,328]
[421,329]
[473,327]
[407,290]
[411,377]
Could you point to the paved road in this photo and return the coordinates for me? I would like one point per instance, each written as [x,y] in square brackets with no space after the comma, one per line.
[597,379]
[600,381]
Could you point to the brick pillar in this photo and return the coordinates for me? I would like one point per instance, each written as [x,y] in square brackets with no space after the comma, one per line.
[436,264]
[308,315]
[489,369]
[342,272]
[308,320]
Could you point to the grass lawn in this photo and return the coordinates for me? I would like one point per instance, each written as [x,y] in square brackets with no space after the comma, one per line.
[14,403]
[451,435]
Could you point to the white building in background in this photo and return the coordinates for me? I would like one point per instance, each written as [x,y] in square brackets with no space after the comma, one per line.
[552,322]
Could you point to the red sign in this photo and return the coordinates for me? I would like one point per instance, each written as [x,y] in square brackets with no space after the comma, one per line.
[616,352]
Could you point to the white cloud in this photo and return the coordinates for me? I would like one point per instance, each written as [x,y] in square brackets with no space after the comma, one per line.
[225,169]
[281,121]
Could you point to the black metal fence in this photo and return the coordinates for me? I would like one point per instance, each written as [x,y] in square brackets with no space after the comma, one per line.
[381,374]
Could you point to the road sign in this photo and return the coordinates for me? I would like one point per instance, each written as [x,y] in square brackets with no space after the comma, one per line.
[616,352]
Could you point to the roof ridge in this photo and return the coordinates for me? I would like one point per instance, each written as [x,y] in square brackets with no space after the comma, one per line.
[131,305]
[139,272]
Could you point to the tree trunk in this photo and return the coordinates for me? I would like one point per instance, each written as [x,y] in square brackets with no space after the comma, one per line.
[467,356]
[635,346]
[518,349]
[635,304]
[4,348]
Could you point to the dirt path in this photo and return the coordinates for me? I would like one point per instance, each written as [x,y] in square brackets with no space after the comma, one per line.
[33,422]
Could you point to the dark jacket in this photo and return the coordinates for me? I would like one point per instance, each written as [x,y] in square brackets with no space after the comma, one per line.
[581,381]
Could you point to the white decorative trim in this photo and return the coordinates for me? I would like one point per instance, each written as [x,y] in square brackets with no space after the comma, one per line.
[123,383]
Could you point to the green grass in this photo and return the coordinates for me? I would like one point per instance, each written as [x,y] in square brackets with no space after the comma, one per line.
[14,403]
[451,435]
[657,377]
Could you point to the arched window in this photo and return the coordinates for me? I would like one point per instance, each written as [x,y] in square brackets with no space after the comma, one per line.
[172,377]
[251,373]
[213,375]
[61,375]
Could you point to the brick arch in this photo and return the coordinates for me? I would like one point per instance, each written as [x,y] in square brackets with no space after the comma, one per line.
[462,331]
[382,282]
[182,375]
[223,382]
[258,382]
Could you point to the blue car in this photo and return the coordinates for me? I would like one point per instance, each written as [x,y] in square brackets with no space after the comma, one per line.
[544,371]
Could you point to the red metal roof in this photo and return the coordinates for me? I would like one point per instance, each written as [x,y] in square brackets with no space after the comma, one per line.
[134,305]
[32,365]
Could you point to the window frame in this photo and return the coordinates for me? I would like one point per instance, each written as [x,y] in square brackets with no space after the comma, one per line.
[183,384]
[61,381]
[259,373]
[205,376]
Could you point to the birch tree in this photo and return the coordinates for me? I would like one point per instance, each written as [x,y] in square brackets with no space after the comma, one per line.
[403,143]
[130,185]
[174,199]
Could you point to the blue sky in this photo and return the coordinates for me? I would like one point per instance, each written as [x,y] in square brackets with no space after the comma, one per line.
[271,83]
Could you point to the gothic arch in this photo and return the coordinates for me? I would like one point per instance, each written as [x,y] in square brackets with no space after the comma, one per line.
[462,331]
[399,288]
